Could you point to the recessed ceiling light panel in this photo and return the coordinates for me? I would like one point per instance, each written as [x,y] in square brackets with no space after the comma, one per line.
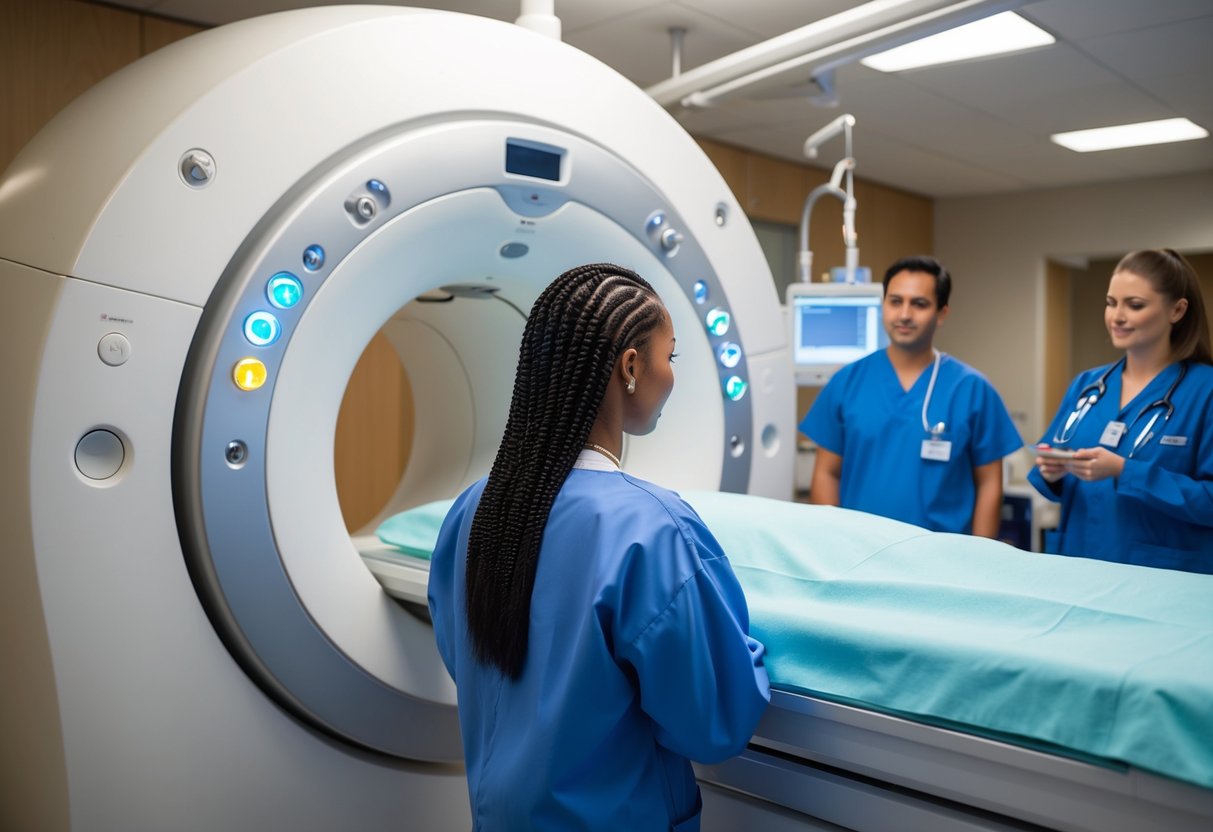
[1131,135]
[994,35]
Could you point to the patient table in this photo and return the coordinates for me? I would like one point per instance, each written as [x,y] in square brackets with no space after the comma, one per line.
[927,681]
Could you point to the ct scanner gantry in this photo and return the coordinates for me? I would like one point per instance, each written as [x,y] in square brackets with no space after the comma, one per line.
[194,255]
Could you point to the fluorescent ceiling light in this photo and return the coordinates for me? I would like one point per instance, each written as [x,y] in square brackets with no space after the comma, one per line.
[1131,135]
[994,35]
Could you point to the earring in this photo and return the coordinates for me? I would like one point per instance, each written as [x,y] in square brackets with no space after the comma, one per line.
[631,385]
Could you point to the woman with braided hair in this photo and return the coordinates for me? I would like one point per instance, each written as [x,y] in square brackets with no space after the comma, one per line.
[593,626]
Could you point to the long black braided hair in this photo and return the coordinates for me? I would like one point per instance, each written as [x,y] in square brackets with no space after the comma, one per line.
[578,327]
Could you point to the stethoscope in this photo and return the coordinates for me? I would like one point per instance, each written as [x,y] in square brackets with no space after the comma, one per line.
[936,430]
[1093,392]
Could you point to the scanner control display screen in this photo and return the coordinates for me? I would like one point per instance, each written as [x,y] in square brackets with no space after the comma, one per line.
[530,160]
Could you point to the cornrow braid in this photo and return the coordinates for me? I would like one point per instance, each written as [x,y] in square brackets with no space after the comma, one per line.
[576,330]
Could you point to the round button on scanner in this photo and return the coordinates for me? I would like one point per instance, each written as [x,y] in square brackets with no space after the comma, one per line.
[99,454]
[114,349]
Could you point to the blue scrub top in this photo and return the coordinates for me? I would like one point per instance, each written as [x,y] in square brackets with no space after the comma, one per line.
[639,660]
[1159,511]
[865,416]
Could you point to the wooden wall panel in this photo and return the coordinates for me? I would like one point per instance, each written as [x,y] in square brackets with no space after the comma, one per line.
[1203,264]
[50,52]
[775,189]
[732,163]
[158,32]
[374,434]
[1059,312]
[892,224]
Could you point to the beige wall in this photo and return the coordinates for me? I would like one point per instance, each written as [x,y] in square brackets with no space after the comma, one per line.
[998,248]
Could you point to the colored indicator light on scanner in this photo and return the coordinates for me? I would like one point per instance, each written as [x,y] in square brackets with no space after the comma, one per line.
[249,374]
[701,292]
[729,355]
[717,321]
[735,387]
[313,257]
[284,290]
[261,329]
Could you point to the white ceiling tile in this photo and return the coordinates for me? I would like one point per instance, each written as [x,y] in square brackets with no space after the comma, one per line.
[1178,48]
[1190,95]
[768,19]
[638,44]
[1080,19]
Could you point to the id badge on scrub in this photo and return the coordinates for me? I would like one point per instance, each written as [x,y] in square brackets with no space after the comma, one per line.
[1112,433]
[939,450]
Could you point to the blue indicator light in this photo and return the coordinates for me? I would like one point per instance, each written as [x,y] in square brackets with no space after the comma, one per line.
[262,329]
[717,321]
[735,387]
[313,258]
[284,290]
[656,221]
[380,190]
[701,292]
[729,355]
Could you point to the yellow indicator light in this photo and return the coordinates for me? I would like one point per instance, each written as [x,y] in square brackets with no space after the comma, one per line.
[249,374]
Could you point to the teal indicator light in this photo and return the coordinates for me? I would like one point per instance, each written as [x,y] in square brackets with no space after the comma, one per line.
[717,321]
[729,355]
[284,290]
[262,329]
[735,387]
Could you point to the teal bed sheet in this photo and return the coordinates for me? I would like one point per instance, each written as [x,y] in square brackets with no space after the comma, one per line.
[1102,661]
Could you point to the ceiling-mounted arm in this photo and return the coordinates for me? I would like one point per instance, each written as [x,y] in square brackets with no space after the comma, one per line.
[540,16]
[842,124]
[831,41]
[844,167]
[677,39]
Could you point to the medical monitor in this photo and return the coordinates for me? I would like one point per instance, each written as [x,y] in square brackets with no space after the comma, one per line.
[832,324]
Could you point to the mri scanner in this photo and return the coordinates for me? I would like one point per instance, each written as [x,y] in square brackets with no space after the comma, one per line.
[193,256]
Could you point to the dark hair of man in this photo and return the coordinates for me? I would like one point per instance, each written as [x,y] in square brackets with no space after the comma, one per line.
[576,330]
[1173,277]
[929,265]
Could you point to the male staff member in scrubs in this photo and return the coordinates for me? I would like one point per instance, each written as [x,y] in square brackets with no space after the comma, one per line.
[1138,484]
[910,433]
[595,630]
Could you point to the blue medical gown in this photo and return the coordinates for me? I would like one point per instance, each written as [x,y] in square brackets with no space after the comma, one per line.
[1159,511]
[639,660]
[865,416]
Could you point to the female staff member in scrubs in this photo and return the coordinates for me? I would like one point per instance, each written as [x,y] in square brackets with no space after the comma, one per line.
[594,628]
[1138,487]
